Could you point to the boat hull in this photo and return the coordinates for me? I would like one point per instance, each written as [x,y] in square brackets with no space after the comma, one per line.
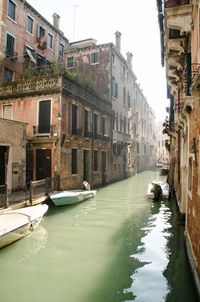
[70,197]
[16,224]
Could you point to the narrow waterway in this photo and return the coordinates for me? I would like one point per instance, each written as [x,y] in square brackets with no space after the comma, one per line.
[117,247]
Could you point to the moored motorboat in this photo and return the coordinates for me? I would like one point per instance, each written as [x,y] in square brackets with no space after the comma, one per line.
[68,197]
[162,184]
[16,224]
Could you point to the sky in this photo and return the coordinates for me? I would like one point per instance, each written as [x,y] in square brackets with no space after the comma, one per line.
[138,23]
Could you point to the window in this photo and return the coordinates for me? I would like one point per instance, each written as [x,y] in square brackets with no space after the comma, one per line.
[114,88]
[8,75]
[50,41]
[44,116]
[70,62]
[74,161]
[103,125]
[7,112]
[41,37]
[86,123]
[74,119]
[190,174]
[94,58]
[124,124]
[124,95]
[113,58]
[95,160]
[61,50]
[115,149]
[95,124]
[11,9]
[138,148]
[10,45]
[29,24]
[40,60]
[29,56]
[41,32]
[129,100]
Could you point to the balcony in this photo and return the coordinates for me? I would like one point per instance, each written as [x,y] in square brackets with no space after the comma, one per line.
[121,137]
[174,3]
[179,16]
[49,131]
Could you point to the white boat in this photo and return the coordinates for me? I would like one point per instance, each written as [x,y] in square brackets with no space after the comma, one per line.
[16,224]
[62,198]
[164,186]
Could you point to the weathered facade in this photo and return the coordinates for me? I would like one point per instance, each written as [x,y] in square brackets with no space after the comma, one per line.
[112,76]
[12,153]
[68,132]
[180,32]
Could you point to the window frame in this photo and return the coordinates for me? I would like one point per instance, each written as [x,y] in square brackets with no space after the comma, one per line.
[10,54]
[8,10]
[94,58]
[70,64]
[74,164]
[27,24]
[8,70]
[95,161]
[61,50]
[50,41]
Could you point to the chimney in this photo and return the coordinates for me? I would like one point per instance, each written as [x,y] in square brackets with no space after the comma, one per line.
[118,40]
[129,56]
[56,20]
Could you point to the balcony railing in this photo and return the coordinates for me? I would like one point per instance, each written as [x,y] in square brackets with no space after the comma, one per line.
[174,3]
[44,131]
[121,137]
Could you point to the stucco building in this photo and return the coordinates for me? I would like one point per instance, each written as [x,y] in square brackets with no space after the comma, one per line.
[68,131]
[12,153]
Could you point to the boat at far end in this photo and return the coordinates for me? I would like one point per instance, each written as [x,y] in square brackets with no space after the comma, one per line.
[164,187]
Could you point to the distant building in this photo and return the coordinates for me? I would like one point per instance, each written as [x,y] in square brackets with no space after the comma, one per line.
[162,157]
[112,76]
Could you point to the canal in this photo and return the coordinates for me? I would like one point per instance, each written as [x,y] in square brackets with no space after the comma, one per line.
[117,247]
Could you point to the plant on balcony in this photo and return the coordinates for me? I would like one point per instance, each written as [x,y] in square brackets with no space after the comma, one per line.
[73,76]
[166,130]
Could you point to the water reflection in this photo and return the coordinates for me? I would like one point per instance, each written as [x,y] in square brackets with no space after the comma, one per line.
[148,281]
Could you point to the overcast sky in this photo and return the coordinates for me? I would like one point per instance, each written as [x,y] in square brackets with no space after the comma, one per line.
[135,19]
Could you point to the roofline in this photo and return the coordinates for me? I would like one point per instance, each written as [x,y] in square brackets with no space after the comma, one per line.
[44,20]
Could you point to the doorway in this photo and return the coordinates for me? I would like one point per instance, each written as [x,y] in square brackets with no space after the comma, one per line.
[86,165]
[104,172]
[43,163]
[3,164]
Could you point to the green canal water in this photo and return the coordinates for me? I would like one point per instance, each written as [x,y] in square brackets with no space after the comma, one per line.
[117,247]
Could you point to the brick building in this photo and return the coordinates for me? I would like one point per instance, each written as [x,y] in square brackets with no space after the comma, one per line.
[27,39]
[133,120]
[180,32]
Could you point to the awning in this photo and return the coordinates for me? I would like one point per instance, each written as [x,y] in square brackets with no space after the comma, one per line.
[29,53]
